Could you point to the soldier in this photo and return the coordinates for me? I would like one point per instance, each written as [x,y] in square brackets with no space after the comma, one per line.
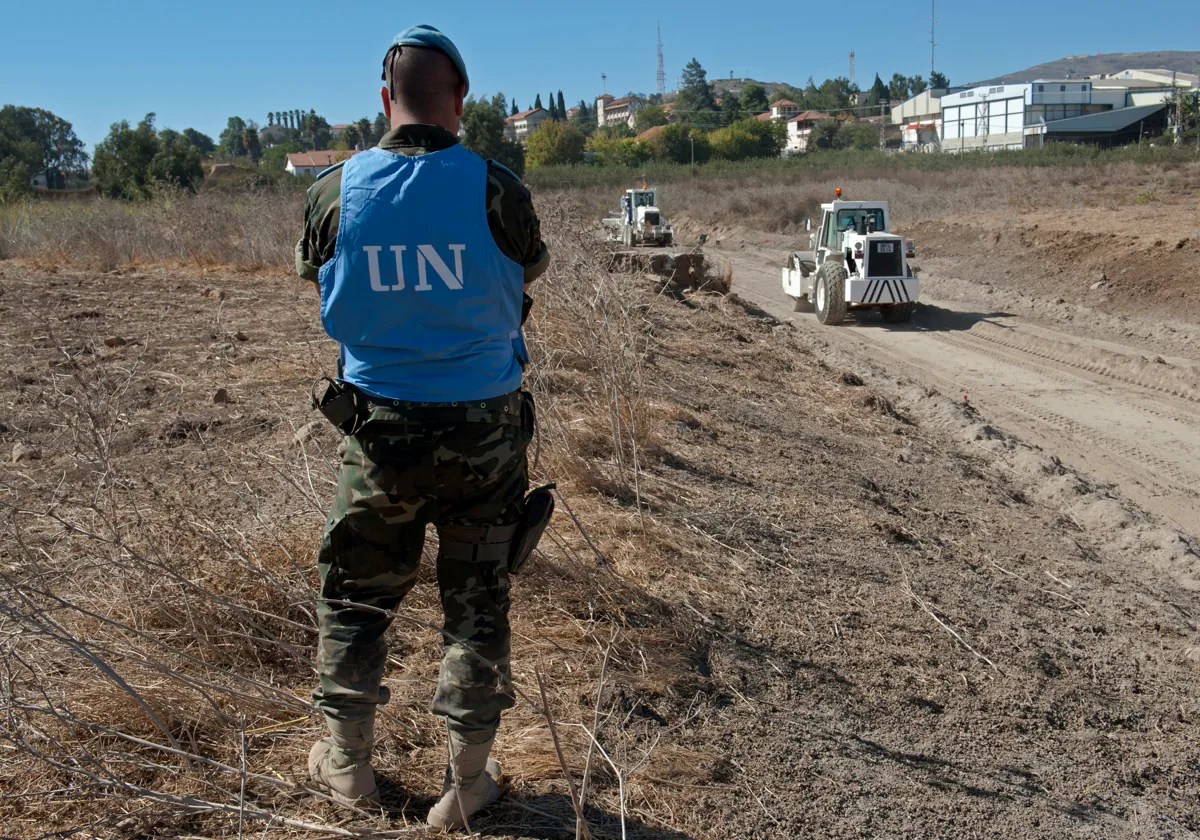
[422,252]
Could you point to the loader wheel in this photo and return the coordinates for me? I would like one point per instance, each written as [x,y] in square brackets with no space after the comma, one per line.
[897,313]
[830,294]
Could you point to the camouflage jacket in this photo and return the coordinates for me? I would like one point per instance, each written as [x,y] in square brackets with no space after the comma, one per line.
[510,214]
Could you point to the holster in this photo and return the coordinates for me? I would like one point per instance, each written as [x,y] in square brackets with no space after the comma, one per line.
[495,543]
[539,507]
[339,404]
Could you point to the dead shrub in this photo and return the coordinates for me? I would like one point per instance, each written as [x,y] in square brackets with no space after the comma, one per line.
[250,230]
[157,583]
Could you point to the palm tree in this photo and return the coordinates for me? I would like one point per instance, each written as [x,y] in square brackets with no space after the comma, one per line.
[364,131]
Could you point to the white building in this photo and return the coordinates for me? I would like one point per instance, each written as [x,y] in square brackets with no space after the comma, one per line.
[1015,116]
[920,121]
[314,163]
[519,126]
[990,118]
[784,109]
[799,128]
[611,111]
[1159,77]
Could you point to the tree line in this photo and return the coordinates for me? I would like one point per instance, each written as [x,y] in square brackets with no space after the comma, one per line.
[698,125]
[36,142]
[695,125]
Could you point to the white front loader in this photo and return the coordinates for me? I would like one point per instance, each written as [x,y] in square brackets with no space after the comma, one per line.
[853,261]
[640,222]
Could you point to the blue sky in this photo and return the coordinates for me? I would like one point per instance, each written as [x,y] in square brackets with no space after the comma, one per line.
[195,64]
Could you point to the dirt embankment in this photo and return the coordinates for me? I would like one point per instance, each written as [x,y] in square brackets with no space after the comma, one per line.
[806,606]
[1140,260]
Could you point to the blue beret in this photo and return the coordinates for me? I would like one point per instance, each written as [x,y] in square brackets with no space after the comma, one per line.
[424,35]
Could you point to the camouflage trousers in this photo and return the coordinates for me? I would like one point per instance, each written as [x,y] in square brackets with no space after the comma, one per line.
[397,477]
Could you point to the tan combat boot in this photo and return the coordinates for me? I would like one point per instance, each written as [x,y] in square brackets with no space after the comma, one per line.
[341,762]
[478,780]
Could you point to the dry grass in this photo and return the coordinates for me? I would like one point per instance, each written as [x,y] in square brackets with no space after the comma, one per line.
[689,614]
[251,230]
[780,201]
[157,587]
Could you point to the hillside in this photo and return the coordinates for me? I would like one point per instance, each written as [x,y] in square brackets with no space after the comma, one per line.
[1076,66]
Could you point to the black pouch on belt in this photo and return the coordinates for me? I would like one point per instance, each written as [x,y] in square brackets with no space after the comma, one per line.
[339,404]
[539,507]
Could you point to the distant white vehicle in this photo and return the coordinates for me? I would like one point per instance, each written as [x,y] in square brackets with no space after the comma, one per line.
[640,222]
[853,261]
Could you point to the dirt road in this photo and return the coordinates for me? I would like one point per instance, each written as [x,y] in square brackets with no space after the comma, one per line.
[1125,413]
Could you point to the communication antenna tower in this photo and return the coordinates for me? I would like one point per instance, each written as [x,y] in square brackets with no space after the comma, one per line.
[604,82]
[932,37]
[851,69]
[661,83]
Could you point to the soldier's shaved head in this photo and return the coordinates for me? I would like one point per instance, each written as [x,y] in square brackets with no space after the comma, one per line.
[423,85]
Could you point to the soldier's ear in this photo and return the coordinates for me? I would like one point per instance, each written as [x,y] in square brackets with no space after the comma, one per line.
[460,93]
[385,95]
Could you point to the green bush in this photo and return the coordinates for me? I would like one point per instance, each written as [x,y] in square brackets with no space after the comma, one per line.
[747,139]
[616,152]
[614,172]
[131,161]
[554,142]
[677,143]
[274,159]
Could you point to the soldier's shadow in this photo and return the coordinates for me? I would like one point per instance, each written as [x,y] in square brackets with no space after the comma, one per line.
[547,816]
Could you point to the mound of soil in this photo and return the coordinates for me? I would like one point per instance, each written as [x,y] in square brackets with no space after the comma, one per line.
[1140,260]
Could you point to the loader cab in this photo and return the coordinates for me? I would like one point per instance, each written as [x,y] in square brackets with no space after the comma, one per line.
[641,198]
[847,216]
[864,220]
[643,206]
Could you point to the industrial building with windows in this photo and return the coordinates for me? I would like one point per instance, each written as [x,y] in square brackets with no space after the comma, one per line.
[1008,116]
[1018,116]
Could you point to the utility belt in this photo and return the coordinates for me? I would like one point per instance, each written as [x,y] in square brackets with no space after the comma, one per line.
[348,408]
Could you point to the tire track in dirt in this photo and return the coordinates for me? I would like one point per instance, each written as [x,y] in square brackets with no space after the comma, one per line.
[1130,468]
[1182,391]
[1053,374]
[1116,415]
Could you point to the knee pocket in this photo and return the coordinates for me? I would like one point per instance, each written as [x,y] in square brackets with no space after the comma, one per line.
[362,553]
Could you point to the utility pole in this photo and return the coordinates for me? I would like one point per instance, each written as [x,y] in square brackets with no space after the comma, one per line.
[1196,110]
[1178,109]
[851,68]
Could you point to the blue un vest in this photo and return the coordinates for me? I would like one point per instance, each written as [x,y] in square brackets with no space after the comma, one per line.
[423,302]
